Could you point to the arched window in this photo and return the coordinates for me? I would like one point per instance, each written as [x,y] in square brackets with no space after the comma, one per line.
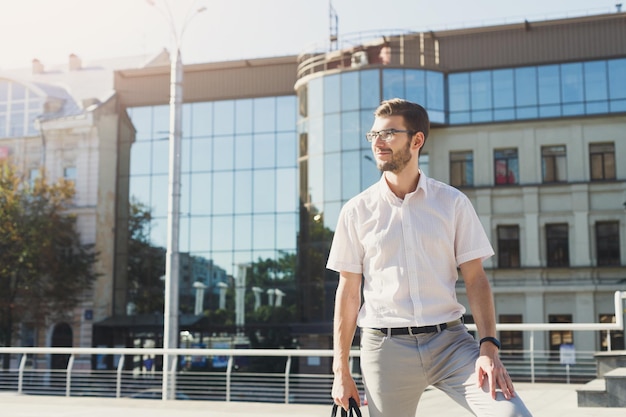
[61,337]
[19,108]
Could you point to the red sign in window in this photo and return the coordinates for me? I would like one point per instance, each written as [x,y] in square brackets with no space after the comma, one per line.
[4,152]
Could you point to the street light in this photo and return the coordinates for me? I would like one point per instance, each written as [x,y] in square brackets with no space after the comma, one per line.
[172,260]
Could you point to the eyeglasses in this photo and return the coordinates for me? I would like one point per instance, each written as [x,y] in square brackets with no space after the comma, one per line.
[385,135]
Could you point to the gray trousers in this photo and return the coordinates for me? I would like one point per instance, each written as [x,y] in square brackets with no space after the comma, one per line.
[396,370]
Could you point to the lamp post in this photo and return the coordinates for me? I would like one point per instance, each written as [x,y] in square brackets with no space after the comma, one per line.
[172,260]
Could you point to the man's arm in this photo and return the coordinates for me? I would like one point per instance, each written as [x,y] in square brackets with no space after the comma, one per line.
[347,304]
[481,303]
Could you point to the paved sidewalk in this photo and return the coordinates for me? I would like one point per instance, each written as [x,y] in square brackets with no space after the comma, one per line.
[543,400]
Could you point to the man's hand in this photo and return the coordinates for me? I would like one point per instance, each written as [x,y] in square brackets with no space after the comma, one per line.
[489,366]
[345,388]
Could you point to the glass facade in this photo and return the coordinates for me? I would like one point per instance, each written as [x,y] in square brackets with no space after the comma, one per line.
[545,91]
[338,112]
[336,162]
[238,173]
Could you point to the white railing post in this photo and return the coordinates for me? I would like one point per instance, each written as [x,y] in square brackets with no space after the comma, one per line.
[68,376]
[118,381]
[172,375]
[20,374]
[287,371]
[532,356]
[619,311]
[229,371]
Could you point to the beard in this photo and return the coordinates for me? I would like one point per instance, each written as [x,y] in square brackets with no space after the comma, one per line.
[399,160]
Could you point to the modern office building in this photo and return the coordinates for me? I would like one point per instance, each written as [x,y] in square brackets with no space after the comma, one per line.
[528,119]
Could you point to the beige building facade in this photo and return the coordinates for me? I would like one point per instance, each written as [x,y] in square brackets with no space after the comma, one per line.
[583,290]
[65,121]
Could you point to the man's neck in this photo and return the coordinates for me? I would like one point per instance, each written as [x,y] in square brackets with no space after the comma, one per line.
[403,182]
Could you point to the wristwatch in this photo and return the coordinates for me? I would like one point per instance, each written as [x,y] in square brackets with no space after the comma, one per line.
[492,340]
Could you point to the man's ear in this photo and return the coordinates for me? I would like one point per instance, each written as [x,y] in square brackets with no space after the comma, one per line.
[418,139]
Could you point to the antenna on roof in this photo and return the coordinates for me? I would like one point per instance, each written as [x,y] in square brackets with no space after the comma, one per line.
[334,26]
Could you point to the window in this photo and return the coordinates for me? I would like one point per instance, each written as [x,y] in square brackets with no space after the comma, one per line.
[32,176]
[602,161]
[508,247]
[506,166]
[481,96]
[553,163]
[607,243]
[69,173]
[19,108]
[617,336]
[435,97]
[503,94]
[557,243]
[617,84]
[461,168]
[549,90]
[393,83]
[596,87]
[572,88]
[526,92]
[512,341]
[559,337]
[459,98]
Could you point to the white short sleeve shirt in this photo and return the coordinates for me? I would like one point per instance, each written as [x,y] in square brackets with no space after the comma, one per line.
[408,251]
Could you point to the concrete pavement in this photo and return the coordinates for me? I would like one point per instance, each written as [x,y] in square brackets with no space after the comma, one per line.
[543,400]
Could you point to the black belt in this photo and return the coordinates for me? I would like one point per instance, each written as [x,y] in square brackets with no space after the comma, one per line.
[397,331]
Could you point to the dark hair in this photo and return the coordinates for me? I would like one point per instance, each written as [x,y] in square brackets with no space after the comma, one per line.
[415,116]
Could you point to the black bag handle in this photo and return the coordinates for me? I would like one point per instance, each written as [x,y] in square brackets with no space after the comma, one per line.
[353,410]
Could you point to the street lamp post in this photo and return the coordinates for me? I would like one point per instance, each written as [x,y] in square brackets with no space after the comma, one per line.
[172,260]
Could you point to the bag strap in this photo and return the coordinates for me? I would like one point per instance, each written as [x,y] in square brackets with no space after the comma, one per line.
[353,411]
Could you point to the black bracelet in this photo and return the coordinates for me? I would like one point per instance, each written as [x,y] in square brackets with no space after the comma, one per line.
[492,340]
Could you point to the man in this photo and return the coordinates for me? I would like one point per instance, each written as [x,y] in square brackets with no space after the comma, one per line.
[403,239]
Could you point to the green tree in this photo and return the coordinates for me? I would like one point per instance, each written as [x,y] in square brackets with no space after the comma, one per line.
[146,262]
[269,326]
[272,274]
[45,270]
[314,280]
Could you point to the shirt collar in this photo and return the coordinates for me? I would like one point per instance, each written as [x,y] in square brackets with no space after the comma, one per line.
[422,183]
[387,194]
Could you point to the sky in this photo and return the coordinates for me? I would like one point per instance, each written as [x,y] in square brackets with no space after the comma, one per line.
[51,30]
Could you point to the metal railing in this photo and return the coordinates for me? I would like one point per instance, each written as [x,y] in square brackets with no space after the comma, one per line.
[236,383]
